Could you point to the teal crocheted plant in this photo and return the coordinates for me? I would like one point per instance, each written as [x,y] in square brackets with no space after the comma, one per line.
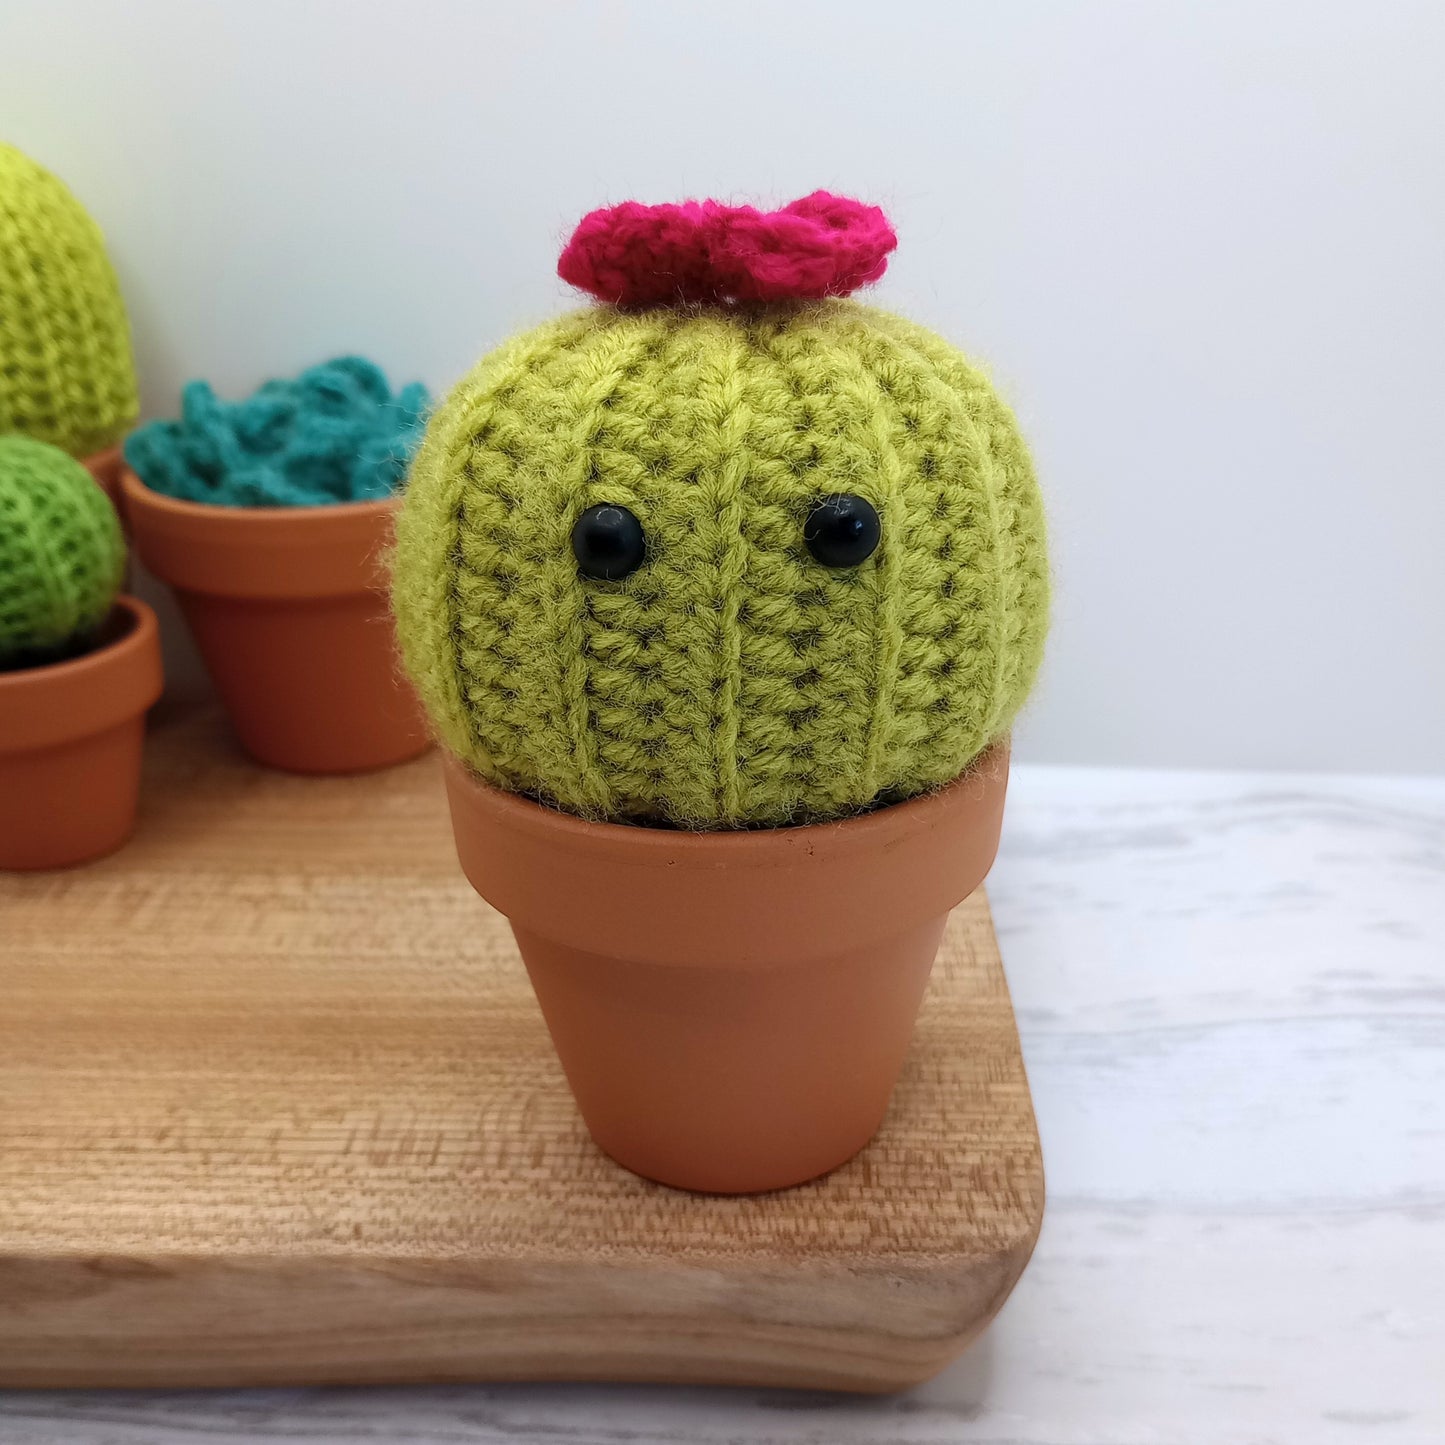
[334,434]
[61,554]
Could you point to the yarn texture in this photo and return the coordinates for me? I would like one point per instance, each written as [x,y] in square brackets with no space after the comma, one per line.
[636,255]
[333,434]
[66,373]
[731,680]
[61,553]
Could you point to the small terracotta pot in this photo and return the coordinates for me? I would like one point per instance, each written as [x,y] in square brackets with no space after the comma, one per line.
[731,1009]
[288,608]
[71,736]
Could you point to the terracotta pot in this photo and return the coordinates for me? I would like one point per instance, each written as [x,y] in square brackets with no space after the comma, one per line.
[106,468]
[71,735]
[288,608]
[732,1009]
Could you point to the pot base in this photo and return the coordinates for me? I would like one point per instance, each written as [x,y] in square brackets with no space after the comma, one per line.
[71,735]
[731,1009]
[816,1034]
[326,1140]
[311,687]
[70,804]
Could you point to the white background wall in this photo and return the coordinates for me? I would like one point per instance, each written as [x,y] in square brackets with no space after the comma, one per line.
[1202,245]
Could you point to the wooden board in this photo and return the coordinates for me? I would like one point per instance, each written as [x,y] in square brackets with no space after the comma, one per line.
[277,1106]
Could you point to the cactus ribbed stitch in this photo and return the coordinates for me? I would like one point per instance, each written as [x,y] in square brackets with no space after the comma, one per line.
[61,553]
[66,373]
[731,680]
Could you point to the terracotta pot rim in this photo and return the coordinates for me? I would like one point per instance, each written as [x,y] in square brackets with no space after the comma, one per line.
[260,554]
[105,467]
[137,622]
[863,829]
[59,701]
[107,459]
[740,899]
[256,516]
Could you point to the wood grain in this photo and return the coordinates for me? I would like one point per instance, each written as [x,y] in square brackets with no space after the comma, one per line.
[277,1106]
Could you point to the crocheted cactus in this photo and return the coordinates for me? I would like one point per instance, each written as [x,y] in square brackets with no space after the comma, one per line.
[726,563]
[66,373]
[61,554]
[334,434]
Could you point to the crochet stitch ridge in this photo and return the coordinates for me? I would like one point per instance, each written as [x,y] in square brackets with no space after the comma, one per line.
[61,552]
[66,372]
[731,680]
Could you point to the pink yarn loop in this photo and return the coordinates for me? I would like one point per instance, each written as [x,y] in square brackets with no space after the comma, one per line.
[635,255]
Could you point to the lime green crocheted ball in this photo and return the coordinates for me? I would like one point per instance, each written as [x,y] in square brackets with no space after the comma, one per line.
[732,678]
[61,553]
[66,374]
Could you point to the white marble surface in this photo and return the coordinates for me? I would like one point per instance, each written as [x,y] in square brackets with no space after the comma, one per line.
[1232,996]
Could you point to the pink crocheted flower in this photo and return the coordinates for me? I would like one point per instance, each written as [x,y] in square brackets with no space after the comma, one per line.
[636,255]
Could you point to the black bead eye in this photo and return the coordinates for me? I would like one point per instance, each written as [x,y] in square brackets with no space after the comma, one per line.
[842,530]
[608,542]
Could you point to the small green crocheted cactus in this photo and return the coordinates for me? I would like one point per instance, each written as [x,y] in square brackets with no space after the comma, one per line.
[66,373]
[61,554]
[745,560]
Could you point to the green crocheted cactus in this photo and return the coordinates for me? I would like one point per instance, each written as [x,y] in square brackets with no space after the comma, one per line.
[61,554]
[66,373]
[742,666]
